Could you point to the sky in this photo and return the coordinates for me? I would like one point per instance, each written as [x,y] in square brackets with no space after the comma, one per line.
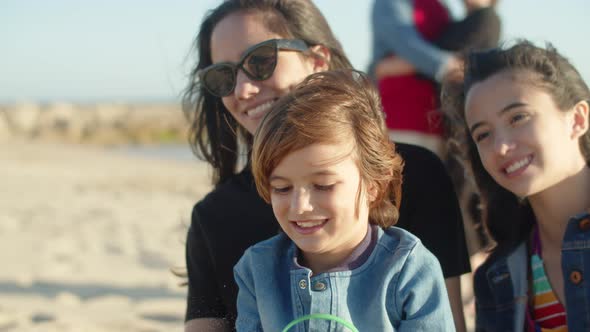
[139,50]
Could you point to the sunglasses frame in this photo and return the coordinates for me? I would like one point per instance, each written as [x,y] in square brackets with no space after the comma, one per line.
[277,44]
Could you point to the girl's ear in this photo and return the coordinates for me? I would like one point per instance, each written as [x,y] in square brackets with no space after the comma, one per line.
[580,119]
[321,58]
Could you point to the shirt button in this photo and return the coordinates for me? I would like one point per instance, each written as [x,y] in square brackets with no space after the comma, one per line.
[576,277]
[302,284]
[319,286]
[584,224]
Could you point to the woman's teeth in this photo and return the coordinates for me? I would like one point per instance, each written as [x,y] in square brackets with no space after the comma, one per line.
[260,109]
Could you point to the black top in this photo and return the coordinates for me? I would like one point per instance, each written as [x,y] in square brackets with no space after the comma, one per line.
[233,217]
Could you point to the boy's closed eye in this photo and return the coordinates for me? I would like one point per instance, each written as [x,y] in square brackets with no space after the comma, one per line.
[280,189]
[324,187]
[285,189]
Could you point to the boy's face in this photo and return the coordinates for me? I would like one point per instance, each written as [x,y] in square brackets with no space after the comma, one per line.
[319,201]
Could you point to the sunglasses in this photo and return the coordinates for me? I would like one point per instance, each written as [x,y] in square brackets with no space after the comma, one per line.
[258,63]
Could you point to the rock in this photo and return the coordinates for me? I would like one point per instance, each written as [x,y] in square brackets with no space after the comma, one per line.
[64,122]
[23,119]
[110,115]
[6,133]
[102,124]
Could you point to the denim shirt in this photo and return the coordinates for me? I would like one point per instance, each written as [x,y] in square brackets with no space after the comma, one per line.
[501,283]
[399,287]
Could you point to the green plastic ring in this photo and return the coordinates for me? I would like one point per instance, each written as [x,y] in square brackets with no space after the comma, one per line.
[321,316]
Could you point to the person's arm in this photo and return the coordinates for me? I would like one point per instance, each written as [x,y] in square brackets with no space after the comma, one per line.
[396,66]
[393,66]
[453,285]
[421,295]
[248,316]
[393,25]
[473,5]
[207,325]
[205,310]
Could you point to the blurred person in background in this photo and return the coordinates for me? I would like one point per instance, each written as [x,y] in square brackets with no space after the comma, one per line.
[416,46]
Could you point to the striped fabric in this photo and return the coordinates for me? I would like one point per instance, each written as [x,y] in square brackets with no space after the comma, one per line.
[549,314]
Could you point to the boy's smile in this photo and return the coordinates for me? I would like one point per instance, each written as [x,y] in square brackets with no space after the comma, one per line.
[319,200]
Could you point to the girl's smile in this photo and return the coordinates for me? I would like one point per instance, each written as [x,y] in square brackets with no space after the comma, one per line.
[525,142]
[516,167]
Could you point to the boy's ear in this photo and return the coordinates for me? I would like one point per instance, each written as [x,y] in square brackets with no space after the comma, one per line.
[580,119]
[372,191]
[321,58]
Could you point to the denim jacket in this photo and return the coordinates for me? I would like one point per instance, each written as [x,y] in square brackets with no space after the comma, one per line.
[399,287]
[501,283]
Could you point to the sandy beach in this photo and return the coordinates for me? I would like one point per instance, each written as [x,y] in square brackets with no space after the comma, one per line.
[88,237]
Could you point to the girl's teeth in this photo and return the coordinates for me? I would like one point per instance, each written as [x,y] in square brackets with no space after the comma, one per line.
[517,165]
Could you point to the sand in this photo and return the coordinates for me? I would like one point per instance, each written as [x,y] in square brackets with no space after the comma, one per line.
[88,237]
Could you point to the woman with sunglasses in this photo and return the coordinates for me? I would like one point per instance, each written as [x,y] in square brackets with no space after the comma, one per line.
[252,52]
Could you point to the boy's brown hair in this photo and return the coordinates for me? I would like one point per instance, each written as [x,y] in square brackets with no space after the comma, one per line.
[329,108]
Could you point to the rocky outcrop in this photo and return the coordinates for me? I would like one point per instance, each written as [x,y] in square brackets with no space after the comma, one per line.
[94,123]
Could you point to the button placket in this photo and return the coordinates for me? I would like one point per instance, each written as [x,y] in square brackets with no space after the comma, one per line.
[576,277]
[301,291]
[303,284]
[584,224]
[322,298]
[319,286]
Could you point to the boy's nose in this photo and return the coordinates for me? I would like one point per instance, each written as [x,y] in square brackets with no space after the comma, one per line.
[301,201]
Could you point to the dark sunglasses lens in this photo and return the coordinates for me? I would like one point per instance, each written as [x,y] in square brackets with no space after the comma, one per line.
[261,62]
[220,80]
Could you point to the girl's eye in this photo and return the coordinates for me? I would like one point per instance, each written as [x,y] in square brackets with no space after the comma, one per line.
[281,190]
[324,187]
[518,117]
[481,136]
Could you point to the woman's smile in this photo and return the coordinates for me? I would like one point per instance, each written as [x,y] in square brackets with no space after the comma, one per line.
[258,111]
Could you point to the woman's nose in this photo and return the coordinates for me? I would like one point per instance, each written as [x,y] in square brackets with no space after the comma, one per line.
[245,88]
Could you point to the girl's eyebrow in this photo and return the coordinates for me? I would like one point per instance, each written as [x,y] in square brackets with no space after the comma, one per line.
[500,112]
